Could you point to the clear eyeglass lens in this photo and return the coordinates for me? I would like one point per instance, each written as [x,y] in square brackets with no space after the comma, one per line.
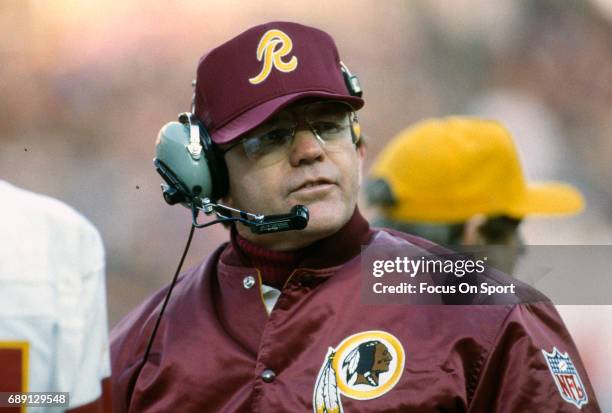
[329,120]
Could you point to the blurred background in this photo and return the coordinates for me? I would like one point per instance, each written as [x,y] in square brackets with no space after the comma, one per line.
[86,85]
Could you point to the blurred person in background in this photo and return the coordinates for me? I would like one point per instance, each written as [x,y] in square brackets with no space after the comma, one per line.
[272,322]
[53,320]
[457,181]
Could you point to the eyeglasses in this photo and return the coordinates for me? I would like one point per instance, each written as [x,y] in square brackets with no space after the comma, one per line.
[330,123]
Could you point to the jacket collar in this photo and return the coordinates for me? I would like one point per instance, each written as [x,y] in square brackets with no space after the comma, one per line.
[328,252]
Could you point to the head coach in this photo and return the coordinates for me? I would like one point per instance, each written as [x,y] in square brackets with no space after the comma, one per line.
[274,322]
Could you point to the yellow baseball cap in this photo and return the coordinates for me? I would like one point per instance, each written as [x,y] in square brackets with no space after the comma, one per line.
[448,170]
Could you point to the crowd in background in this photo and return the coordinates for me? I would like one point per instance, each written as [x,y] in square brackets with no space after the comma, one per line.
[87,85]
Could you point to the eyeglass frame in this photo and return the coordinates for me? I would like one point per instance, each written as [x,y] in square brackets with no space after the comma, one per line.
[351,112]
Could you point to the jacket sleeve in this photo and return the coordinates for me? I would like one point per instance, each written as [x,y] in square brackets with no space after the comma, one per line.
[533,366]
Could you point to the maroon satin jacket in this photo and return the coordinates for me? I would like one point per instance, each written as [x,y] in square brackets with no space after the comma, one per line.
[323,350]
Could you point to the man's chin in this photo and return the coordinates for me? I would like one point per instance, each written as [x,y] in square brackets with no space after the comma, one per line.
[325,218]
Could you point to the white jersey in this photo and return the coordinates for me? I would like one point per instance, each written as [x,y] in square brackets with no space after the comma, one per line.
[53,321]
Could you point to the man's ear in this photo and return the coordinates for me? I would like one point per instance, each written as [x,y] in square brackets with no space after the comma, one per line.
[471,230]
[361,153]
[361,149]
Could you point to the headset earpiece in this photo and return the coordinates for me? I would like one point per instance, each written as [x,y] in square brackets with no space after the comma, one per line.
[351,80]
[216,164]
[189,162]
[354,88]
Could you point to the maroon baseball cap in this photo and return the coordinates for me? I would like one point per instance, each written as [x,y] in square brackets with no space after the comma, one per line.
[246,80]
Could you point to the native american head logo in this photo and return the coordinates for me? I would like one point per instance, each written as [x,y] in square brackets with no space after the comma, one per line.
[363,366]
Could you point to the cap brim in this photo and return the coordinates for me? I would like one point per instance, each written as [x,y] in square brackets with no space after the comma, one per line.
[539,199]
[259,114]
[549,198]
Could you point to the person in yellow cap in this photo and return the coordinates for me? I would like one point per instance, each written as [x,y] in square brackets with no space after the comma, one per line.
[458,181]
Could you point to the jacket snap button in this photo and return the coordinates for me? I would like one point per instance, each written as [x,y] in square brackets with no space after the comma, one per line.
[268,375]
[248,281]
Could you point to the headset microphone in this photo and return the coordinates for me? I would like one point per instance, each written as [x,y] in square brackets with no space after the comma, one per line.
[296,219]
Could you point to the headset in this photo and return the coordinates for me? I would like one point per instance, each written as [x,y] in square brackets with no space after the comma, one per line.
[192,166]
[195,175]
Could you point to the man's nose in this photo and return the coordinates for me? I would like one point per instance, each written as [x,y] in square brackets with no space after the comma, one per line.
[306,148]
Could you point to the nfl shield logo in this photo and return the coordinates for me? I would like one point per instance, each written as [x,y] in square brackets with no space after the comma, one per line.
[566,377]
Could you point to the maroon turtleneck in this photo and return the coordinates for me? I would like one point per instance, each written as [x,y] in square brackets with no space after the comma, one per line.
[276,266]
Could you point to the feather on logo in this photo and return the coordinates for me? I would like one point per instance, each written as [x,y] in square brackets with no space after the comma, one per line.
[326,396]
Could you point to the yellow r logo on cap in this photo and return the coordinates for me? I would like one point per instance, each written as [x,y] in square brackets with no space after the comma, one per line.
[272,55]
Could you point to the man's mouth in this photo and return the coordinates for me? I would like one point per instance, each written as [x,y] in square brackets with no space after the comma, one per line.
[314,188]
[315,185]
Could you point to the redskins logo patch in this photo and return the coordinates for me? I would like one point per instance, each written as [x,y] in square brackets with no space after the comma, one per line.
[363,366]
[273,46]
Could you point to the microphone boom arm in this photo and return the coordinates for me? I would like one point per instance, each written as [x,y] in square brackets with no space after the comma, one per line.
[296,219]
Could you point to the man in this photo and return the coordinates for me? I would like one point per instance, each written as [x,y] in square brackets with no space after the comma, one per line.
[274,323]
[366,362]
[53,323]
[458,181]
